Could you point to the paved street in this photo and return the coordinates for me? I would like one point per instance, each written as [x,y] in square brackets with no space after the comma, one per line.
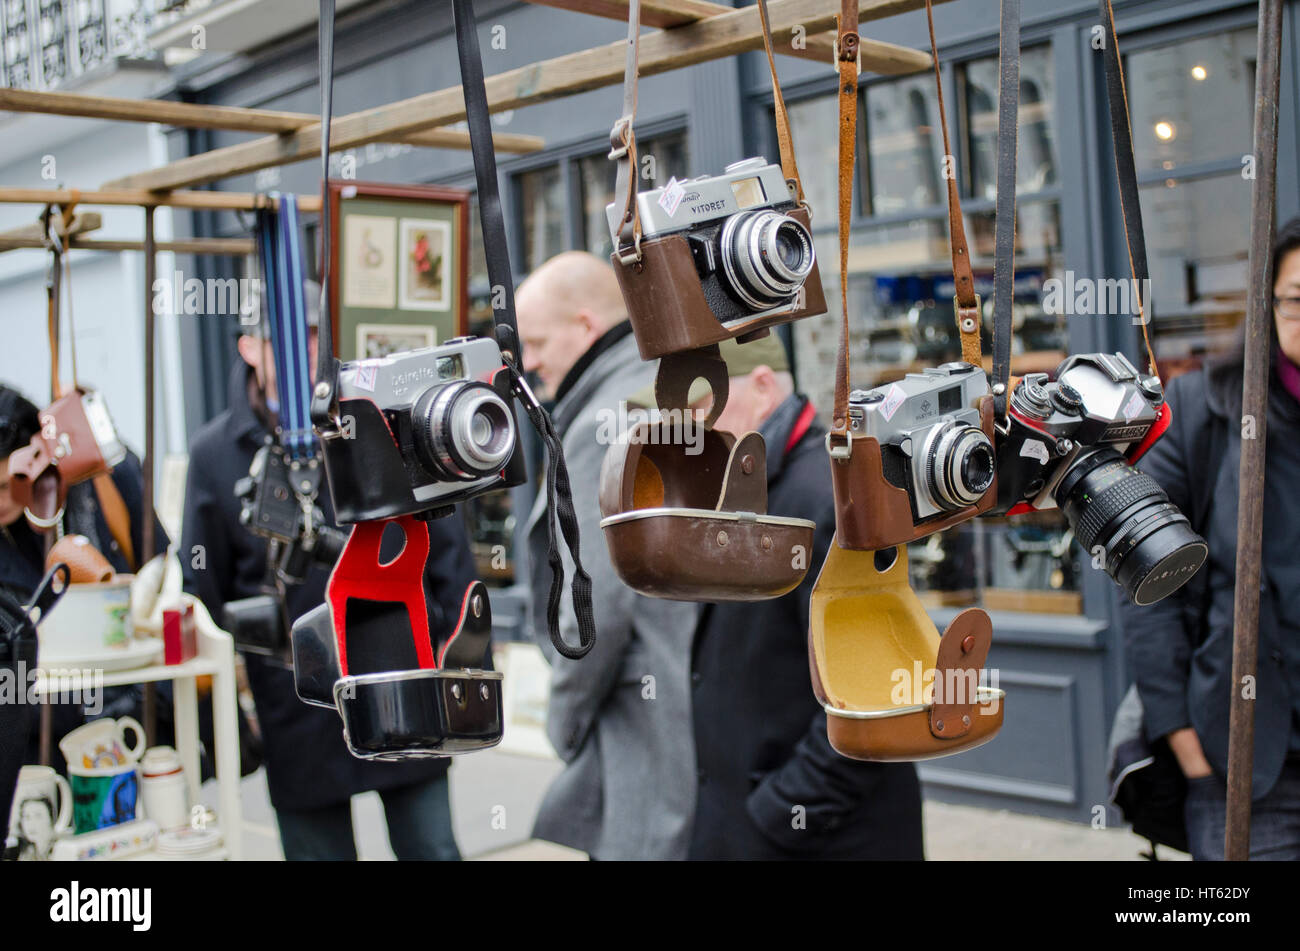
[495,797]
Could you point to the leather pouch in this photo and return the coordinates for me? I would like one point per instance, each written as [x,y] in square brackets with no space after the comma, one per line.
[892,688]
[367,652]
[688,522]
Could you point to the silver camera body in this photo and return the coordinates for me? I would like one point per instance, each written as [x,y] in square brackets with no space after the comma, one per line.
[928,427]
[753,258]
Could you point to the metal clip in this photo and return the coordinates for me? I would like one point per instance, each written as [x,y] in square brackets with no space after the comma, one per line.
[835,58]
[633,256]
[621,134]
[839,453]
[967,325]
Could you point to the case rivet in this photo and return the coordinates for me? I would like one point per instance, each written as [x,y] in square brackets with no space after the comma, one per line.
[476,605]
[967,643]
[965,721]
[322,390]
[722,539]
[455,691]
[938,725]
[483,691]
[767,543]
[747,465]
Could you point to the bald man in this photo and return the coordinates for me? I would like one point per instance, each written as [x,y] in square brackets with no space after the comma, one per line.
[620,718]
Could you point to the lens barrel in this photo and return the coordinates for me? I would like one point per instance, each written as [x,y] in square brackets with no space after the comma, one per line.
[766,257]
[1150,548]
[462,430]
[959,464]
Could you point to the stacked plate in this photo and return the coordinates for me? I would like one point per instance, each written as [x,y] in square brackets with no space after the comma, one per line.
[188,841]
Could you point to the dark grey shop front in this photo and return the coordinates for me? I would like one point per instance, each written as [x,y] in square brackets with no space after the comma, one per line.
[1057,649]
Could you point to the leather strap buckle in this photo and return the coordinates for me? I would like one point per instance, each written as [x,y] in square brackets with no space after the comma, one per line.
[620,138]
[842,452]
[968,320]
[632,256]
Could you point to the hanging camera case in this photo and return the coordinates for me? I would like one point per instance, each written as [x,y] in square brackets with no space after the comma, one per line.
[680,522]
[881,703]
[869,636]
[76,441]
[368,651]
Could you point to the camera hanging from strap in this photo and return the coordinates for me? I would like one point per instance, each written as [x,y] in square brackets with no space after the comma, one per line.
[324,404]
[679,368]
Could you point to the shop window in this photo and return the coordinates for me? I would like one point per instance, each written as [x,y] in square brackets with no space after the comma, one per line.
[1192,104]
[542,211]
[659,159]
[904,149]
[1036,158]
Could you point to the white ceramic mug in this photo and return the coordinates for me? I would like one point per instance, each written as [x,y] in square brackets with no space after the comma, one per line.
[164,789]
[41,811]
[91,618]
[101,744]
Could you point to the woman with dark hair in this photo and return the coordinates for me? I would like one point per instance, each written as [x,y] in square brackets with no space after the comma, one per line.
[1180,650]
[22,553]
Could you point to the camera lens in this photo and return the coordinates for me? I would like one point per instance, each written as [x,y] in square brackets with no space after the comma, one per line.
[463,430]
[960,465]
[1150,548]
[766,257]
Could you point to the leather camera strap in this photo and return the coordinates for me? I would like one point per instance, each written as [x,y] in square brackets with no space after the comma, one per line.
[1130,202]
[847,45]
[53,278]
[1004,243]
[324,406]
[622,138]
[113,507]
[965,301]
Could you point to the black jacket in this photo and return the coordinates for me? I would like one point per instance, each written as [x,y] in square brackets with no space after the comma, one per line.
[308,765]
[1180,649]
[760,734]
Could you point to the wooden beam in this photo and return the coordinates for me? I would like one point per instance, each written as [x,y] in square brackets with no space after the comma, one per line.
[82,223]
[237,246]
[191,115]
[661,51]
[670,13]
[208,201]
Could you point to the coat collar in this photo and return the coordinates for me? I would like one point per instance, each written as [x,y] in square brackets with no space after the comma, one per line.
[778,428]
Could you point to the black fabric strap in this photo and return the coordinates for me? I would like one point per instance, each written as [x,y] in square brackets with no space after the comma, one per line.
[1004,254]
[1130,201]
[559,494]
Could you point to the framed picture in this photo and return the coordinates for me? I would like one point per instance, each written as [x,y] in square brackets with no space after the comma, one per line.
[399,265]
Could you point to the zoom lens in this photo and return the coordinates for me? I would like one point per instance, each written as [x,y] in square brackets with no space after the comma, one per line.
[463,430]
[1150,548]
[959,465]
[766,257]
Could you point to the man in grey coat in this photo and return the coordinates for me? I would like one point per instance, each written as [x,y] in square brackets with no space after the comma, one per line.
[620,718]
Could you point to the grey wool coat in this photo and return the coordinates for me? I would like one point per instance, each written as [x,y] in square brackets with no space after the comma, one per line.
[620,718]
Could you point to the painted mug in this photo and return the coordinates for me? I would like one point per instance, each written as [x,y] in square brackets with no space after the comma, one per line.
[101,744]
[104,797]
[42,810]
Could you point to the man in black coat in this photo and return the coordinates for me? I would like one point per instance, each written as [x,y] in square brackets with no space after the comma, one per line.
[770,786]
[311,774]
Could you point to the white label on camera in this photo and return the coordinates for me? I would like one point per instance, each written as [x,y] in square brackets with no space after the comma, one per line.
[1034,450]
[672,196]
[894,398]
[1134,407]
[366,375]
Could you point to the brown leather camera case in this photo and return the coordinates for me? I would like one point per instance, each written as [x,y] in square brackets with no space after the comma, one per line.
[666,304]
[871,513]
[693,527]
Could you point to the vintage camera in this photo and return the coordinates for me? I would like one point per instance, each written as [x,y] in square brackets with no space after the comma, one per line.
[720,257]
[920,457]
[422,430]
[1070,443]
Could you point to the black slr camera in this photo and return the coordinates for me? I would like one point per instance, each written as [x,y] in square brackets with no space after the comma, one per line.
[1070,443]
[422,430]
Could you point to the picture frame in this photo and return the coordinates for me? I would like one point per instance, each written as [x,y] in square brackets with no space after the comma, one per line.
[399,266]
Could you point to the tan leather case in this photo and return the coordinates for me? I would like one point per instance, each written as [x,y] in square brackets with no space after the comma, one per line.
[666,304]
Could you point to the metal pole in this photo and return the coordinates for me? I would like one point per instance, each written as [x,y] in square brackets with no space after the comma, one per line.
[150,711]
[1254,405]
